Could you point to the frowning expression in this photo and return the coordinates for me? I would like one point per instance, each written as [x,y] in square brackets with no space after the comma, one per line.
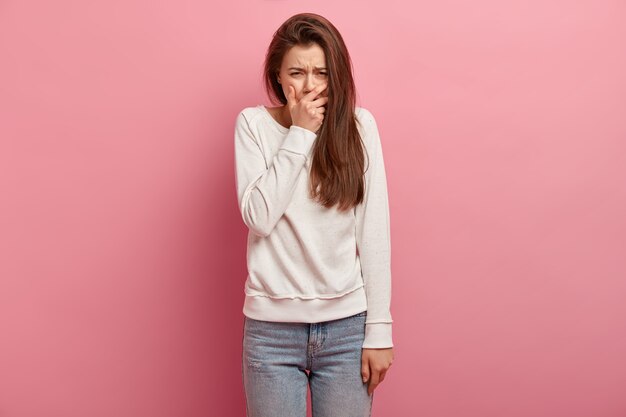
[303,67]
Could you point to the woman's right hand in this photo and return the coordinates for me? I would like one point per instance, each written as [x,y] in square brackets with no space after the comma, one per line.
[307,112]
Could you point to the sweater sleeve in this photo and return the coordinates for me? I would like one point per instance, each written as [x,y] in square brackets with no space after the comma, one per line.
[264,190]
[374,242]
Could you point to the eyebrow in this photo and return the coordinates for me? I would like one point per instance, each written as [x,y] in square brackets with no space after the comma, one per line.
[299,68]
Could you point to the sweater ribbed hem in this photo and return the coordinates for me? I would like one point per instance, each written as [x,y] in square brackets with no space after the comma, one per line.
[305,310]
[297,310]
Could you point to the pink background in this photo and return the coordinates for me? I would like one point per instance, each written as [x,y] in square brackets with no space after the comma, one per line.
[123,252]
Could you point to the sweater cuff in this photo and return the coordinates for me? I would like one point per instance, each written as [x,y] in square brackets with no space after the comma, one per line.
[378,336]
[299,140]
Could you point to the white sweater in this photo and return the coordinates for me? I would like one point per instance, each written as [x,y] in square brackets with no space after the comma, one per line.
[308,263]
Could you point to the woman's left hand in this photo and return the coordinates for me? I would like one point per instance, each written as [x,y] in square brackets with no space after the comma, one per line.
[374,365]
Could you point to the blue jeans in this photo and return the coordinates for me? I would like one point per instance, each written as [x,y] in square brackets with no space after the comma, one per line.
[280,359]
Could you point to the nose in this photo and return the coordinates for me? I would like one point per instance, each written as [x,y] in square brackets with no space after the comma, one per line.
[309,85]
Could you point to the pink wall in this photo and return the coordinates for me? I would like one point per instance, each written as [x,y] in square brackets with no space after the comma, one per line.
[122,253]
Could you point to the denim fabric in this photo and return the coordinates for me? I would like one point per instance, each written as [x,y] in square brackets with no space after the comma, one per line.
[281,359]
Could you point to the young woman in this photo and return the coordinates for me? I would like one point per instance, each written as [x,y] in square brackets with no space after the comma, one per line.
[312,191]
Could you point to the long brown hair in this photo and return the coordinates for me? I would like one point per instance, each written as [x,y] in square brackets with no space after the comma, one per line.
[337,167]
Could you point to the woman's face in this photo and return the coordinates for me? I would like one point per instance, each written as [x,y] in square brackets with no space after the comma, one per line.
[304,68]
